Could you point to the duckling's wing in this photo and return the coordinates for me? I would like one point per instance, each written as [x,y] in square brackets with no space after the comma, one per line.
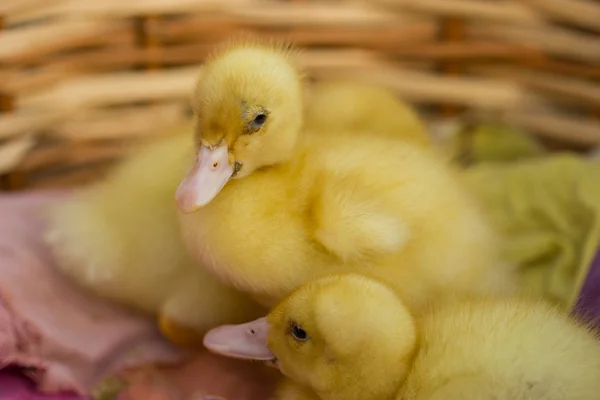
[353,223]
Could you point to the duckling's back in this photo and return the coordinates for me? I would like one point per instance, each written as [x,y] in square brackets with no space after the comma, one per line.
[403,211]
[120,237]
[503,349]
[359,203]
[348,107]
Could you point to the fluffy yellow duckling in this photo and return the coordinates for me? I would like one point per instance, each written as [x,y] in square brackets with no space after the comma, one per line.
[267,205]
[120,238]
[350,337]
[341,106]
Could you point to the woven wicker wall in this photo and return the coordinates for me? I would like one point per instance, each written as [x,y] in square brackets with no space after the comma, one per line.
[85,82]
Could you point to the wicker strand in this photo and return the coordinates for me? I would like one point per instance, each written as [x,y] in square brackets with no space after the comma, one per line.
[83,83]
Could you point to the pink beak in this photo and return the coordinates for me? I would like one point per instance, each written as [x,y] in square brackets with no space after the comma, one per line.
[247,341]
[205,180]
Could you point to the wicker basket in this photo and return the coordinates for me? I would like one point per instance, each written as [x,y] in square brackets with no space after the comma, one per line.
[84,82]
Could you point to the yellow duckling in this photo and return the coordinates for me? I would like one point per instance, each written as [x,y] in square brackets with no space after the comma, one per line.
[341,106]
[120,238]
[350,337]
[267,205]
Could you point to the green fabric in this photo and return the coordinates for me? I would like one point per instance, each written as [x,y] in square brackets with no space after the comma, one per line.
[488,142]
[548,211]
[546,206]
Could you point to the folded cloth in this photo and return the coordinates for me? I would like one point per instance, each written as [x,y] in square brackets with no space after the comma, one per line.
[547,209]
[66,339]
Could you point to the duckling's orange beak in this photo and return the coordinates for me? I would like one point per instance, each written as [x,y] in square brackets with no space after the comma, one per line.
[247,341]
[205,180]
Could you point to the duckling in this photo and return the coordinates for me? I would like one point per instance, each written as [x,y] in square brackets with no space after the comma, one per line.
[268,205]
[120,239]
[341,106]
[347,336]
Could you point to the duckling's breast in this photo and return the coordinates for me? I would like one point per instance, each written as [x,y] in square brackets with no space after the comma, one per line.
[254,236]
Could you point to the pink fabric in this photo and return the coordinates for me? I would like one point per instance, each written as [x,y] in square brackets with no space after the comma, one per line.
[70,338]
[74,339]
[206,375]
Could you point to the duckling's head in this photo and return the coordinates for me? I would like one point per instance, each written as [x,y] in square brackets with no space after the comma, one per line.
[248,111]
[343,336]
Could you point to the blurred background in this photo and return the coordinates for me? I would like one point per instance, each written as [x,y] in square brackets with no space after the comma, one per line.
[83,83]
[509,89]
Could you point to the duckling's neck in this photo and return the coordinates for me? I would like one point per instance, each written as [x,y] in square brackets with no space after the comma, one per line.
[367,389]
[383,362]
[381,378]
[294,162]
[285,158]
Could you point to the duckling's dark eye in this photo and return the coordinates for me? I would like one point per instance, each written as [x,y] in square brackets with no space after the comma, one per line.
[299,333]
[258,122]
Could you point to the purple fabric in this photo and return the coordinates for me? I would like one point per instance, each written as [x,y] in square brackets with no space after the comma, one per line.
[16,387]
[588,303]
